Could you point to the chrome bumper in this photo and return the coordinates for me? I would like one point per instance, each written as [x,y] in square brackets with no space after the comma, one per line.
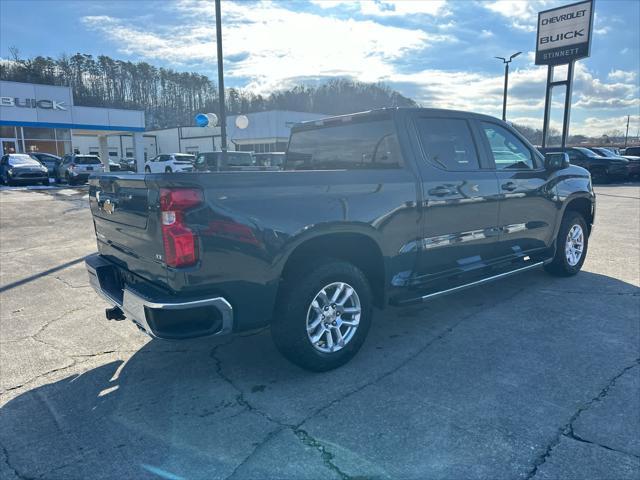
[138,308]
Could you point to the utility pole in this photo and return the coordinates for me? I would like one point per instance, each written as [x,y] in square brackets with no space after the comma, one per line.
[223,114]
[506,82]
[626,135]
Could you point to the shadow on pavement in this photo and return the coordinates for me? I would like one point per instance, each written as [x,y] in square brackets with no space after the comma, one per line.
[195,409]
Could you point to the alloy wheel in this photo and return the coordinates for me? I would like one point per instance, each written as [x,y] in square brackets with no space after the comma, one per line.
[333,317]
[574,246]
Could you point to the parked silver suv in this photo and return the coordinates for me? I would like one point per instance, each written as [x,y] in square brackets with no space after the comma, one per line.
[76,168]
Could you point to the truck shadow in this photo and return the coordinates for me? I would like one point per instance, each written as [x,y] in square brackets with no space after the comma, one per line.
[198,409]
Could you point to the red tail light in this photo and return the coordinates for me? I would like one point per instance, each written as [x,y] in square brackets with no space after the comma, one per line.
[180,243]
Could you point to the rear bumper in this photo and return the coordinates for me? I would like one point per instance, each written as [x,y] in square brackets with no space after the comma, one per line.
[160,317]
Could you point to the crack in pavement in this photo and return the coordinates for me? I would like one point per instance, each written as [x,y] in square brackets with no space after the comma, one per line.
[567,429]
[306,438]
[70,285]
[573,436]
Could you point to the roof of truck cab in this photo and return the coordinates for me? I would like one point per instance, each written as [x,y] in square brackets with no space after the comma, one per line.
[336,119]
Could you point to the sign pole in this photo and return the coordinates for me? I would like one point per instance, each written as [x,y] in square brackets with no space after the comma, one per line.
[567,104]
[547,106]
[223,114]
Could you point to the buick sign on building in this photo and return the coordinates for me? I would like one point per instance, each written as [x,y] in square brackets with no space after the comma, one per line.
[564,34]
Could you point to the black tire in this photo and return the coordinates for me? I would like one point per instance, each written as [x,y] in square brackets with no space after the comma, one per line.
[289,326]
[560,266]
[147,170]
[168,170]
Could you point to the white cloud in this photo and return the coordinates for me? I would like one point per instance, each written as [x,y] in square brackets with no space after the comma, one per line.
[258,40]
[389,8]
[622,75]
[260,53]
[521,14]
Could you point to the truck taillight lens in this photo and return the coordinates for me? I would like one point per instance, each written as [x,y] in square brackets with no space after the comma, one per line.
[180,243]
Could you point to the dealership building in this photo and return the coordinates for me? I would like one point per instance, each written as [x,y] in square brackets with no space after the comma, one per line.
[265,132]
[43,118]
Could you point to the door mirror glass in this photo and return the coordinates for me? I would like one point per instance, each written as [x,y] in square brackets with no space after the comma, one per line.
[556,160]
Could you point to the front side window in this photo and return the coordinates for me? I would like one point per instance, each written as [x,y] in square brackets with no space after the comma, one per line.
[358,145]
[447,143]
[509,152]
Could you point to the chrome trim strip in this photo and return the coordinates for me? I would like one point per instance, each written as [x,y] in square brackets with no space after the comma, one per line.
[473,284]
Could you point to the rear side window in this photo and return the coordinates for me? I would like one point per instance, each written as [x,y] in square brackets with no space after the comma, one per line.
[87,160]
[369,144]
[509,152]
[447,143]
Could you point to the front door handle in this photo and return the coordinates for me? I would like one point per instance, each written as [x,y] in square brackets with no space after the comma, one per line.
[509,186]
[440,191]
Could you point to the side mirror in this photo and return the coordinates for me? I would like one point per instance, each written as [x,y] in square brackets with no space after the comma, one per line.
[556,160]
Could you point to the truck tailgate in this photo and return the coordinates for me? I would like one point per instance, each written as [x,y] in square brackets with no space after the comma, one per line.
[126,220]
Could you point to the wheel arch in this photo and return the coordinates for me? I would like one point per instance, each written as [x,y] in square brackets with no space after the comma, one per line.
[583,205]
[355,247]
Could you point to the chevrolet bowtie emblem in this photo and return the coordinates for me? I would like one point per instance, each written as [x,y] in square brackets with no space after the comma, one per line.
[108,206]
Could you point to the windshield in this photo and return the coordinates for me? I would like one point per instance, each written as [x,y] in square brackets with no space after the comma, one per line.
[18,160]
[87,160]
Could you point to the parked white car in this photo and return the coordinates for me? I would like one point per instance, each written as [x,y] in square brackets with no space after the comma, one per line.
[170,162]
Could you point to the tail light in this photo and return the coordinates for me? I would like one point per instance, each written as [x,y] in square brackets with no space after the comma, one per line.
[180,243]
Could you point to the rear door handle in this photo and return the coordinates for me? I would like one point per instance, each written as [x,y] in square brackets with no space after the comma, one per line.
[440,191]
[509,186]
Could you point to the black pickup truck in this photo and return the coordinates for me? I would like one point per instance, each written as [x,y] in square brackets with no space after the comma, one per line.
[391,206]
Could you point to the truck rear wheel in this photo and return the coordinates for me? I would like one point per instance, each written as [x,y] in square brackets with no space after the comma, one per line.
[323,315]
[571,246]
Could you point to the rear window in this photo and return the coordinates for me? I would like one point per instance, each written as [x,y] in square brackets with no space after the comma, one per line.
[239,159]
[88,160]
[359,145]
[185,158]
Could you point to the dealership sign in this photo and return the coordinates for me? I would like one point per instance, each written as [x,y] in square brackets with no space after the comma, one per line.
[31,103]
[564,34]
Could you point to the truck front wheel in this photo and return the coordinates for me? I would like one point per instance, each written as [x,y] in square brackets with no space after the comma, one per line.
[323,315]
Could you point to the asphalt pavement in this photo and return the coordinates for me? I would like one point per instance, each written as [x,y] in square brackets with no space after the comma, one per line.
[531,377]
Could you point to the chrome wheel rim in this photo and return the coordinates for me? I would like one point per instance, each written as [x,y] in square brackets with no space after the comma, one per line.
[574,245]
[333,317]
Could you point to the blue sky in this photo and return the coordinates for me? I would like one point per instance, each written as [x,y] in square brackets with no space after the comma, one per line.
[438,52]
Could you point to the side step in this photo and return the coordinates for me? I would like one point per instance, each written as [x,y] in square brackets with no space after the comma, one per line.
[459,288]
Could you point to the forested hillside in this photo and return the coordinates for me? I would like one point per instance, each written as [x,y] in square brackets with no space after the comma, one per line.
[172,98]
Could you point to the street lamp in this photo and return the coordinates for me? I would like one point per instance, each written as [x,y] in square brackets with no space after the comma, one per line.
[506,81]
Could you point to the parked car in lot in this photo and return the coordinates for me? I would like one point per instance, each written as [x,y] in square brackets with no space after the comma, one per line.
[633,167]
[20,168]
[633,151]
[392,206]
[235,161]
[602,169]
[170,162]
[48,160]
[271,160]
[127,164]
[76,168]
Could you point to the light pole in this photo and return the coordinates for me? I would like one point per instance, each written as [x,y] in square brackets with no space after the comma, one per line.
[223,113]
[506,82]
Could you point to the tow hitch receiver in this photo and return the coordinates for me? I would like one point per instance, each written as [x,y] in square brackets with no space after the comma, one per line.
[114,313]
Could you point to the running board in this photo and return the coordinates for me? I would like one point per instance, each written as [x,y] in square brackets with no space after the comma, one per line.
[459,288]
